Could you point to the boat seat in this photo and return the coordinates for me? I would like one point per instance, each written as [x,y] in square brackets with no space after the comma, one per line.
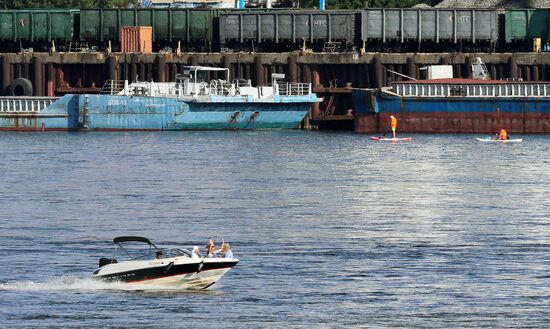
[105,261]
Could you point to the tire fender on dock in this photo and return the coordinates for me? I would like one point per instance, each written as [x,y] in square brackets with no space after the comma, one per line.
[20,87]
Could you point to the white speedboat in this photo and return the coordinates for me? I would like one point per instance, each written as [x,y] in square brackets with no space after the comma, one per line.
[170,268]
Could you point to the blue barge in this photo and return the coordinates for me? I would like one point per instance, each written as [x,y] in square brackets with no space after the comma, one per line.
[188,103]
[455,106]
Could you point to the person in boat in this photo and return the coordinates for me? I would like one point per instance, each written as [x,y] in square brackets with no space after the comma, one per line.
[502,135]
[393,125]
[196,252]
[210,251]
[158,255]
[225,251]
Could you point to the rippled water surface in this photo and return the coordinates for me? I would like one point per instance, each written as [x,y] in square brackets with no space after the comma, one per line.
[332,229]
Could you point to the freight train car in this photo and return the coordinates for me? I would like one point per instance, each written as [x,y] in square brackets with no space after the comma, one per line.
[284,30]
[36,28]
[524,25]
[429,29]
[278,30]
[193,28]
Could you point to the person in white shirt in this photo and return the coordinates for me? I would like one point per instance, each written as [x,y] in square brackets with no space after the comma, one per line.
[196,252]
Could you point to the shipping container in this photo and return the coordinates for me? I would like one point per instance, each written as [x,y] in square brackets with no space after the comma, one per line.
[136,39]
[37,25]
[169,24]
[429,25]
[288,27]
[525,24]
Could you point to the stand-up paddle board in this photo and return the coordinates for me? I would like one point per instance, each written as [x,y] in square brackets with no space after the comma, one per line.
[406,139]
[489,139]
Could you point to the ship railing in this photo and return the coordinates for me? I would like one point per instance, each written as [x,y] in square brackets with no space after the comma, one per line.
[112,87]
[292,88]
[221,87]
[474,90]
[27,104]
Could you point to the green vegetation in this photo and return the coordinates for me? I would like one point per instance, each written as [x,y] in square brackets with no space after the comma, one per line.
[357,4]
[398,3]
[21,4]
[330,4]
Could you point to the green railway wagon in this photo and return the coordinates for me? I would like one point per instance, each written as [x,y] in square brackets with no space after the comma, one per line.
[526,24]
[37,25]
[169,24]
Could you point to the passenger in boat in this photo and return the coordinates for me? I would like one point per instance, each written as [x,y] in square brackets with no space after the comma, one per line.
[196,252]
[210,251]
[225,251]
[503,134]
[158,255]
[393,125]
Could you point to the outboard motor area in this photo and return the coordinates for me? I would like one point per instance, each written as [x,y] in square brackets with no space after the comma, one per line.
[106,261]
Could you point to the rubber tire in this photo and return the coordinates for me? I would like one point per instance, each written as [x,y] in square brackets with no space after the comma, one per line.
[20,87]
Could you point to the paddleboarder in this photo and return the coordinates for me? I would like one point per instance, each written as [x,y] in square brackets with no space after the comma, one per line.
[503,134]
[393,125]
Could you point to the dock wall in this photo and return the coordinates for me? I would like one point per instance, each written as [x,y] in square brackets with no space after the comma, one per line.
[333,75]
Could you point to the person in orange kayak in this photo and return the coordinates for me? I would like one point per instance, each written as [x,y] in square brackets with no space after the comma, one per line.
[503,134]
[393,124]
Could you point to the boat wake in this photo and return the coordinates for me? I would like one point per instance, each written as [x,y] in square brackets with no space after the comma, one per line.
[77,284]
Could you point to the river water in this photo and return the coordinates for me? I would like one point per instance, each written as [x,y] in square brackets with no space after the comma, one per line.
[332,229]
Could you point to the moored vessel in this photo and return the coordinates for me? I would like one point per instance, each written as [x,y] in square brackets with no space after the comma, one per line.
[191,102]
[450,105]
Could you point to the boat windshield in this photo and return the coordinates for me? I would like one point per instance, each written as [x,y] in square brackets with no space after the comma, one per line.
[146,251]
[173,252]
[163,254]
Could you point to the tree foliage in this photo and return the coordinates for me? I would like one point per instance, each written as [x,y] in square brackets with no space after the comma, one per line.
[330,4]
[21,4]
[358,4]
[398,3]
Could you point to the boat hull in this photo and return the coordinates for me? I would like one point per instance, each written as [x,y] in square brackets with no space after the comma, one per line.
[452,114]
[168,274]
[106,112]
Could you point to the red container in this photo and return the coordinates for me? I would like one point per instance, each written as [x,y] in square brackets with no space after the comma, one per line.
[136,39]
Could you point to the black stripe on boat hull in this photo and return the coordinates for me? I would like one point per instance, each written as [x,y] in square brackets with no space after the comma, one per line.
[159,272]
